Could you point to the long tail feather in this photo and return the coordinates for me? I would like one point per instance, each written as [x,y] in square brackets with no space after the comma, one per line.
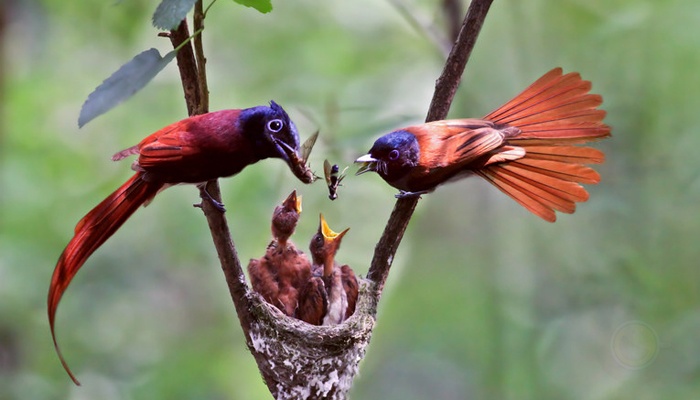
[90,233]
[553,114]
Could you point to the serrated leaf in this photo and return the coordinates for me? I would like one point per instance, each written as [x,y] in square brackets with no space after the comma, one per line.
[169,13]
[128,79]
[264,6]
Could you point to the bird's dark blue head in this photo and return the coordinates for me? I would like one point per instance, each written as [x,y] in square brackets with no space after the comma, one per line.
[392,156]
[272,132]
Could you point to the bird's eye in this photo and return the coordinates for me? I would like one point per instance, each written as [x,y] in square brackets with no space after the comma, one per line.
[394,155]
[275,125]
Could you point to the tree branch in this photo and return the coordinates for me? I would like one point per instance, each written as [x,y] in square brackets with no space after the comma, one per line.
[298,360]
[451,10]
[445,89]
[201,60]
[447,84]
[193,76]
[188,68]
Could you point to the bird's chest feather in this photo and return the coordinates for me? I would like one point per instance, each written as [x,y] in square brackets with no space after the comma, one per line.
[337,300]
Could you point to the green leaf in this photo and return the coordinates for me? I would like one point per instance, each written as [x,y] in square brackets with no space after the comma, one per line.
[169,13]
[129,79]
[264,6]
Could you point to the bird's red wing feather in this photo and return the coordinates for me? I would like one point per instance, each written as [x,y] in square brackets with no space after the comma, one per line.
[91,232]
[262,279]
[552,114]
[351,288]
[462,140]
[168,148]
[313,302]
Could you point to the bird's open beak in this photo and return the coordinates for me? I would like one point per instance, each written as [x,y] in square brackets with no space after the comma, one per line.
[328,234]
[332,240]
[293,202]
[369,164]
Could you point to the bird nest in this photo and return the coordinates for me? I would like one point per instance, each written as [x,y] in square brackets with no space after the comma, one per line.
[303,361]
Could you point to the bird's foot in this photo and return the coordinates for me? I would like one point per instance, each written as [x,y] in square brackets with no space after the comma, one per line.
[204,194]
[404,194]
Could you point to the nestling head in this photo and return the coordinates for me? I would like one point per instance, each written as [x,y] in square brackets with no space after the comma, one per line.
[325,244]
[286,216]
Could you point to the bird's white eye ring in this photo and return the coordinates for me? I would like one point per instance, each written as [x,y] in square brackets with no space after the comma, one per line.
[394,155]
[275,125]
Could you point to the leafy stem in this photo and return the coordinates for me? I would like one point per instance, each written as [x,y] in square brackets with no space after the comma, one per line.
[199,3]
[197,33]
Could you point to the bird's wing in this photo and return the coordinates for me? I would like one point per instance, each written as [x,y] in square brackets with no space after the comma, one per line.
[351,288]
[313,302]
[458,142]
[165,147]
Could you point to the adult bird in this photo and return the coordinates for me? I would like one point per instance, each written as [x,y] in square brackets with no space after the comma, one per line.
[330,295]
[280,273]
[525,148]
[195,150]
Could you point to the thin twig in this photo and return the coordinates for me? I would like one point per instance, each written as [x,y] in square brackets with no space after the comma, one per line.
[447,84]
[423,27]
[187,65]
[445,89]
[452,10]
[198,21]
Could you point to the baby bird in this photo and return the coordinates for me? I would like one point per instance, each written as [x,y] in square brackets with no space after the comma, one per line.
[279,274]
[330,296]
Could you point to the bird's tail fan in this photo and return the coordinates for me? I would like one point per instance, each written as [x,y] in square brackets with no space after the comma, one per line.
[551,116]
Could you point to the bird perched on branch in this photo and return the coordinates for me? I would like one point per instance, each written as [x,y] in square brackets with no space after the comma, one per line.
[526,148]
[281,272]
[195,150]
[330,296]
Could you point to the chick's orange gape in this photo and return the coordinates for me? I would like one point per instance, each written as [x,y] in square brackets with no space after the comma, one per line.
[526,148]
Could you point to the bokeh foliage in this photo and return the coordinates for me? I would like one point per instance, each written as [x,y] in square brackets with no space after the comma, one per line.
[484,300]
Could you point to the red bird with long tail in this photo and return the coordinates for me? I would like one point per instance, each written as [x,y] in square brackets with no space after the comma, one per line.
[525,148]
[195,150]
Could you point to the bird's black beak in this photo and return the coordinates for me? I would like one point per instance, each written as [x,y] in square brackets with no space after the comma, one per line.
[285,151]
[296,163]
[368,162]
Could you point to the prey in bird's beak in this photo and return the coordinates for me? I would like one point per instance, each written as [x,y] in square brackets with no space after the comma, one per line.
[297,162]
[369,164]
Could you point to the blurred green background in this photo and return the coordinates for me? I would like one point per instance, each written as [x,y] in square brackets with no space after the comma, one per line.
[484,301]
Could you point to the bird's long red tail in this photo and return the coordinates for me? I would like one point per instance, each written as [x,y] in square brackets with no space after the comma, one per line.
[90,233]
[552,115]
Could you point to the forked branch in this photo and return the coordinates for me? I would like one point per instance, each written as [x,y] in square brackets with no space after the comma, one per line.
[298,360]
